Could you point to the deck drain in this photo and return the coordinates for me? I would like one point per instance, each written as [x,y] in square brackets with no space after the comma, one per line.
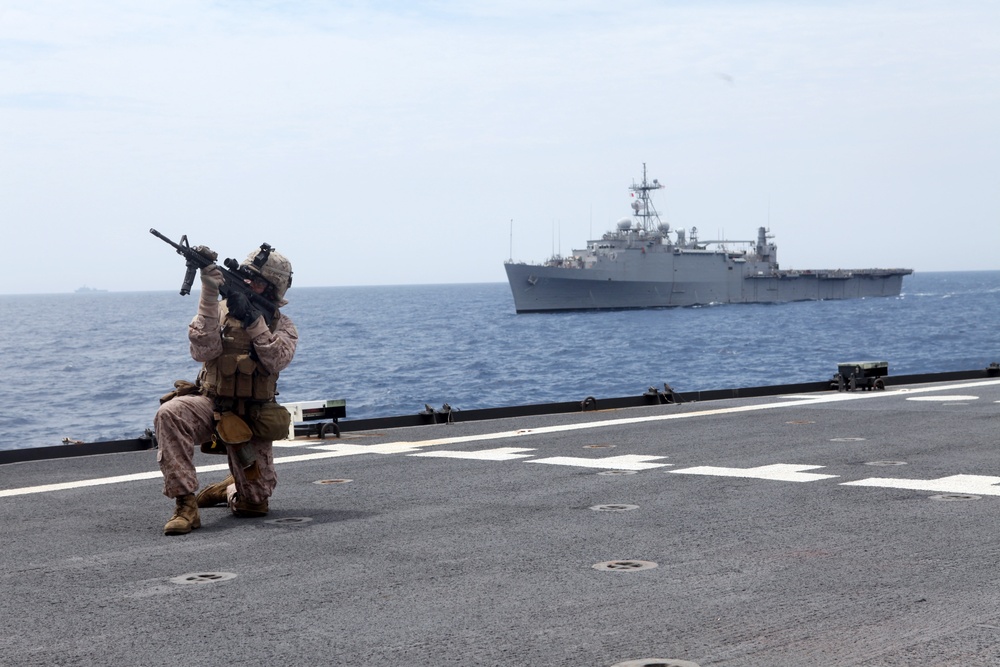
[846,439]
[333,481]
[203,577]
[618,472]
[600,446]
[625,565]
[885,463]
[801,421]
[656,662]
[614,508]
[290,520]
[953,497]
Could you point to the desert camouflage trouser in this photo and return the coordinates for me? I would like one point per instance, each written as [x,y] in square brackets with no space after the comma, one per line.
[182,424]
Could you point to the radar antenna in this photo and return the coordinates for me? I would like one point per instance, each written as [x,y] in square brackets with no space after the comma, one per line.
[649,219]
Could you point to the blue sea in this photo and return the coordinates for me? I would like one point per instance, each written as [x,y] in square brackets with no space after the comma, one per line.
[92,366]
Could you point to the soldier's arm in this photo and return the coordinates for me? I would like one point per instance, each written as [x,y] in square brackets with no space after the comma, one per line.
[275,350]
[204,335]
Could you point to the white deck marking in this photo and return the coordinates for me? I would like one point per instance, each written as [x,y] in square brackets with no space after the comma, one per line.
[498,454]
[344,449]
[980,485]
[779,472]
[624,421]
[63,486]
[388,448]
[956,397]
[624,462]
[404,447]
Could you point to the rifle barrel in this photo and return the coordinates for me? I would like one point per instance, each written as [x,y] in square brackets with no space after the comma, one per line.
[165,239]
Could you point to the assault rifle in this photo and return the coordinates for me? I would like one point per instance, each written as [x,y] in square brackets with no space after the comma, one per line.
[234,275]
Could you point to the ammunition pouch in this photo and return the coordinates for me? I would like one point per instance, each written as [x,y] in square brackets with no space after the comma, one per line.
[231,428]
[268,421]
[239,376]
[181,388]
[264,421]
[236,373]
[232,433]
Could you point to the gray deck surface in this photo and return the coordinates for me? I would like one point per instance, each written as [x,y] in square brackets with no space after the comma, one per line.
[822,529]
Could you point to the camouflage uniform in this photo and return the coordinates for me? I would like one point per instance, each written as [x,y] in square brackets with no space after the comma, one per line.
[184,422]
[216,335]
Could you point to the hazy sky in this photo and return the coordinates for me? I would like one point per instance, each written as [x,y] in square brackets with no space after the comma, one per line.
[389,142]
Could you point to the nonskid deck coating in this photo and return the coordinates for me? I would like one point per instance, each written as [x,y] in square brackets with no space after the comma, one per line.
[773,544]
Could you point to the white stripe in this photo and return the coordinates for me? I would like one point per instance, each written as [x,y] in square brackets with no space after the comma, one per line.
[958,397]
[562,428]
[386,448]
[498,454]
[404,446]
[62,486]
[624,462]
[779,472]
[982,485]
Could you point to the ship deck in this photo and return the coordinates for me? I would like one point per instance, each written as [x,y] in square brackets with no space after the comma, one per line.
[820,528]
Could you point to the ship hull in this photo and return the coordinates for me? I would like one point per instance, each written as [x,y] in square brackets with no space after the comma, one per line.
[708,278]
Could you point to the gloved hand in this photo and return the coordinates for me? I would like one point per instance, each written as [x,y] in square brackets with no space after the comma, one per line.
[241,308]
[211,281]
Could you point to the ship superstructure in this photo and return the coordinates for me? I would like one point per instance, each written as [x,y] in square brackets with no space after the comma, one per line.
[643,263]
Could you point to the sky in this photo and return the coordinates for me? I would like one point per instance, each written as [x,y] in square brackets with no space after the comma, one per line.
[425,142]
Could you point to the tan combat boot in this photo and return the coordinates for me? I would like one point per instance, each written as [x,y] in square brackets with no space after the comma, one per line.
[215,494]
[245,508]
[185,518]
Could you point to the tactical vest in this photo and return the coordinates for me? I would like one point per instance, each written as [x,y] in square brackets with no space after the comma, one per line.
[236,373]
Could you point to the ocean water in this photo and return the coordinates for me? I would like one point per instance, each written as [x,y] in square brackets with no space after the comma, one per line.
[92,366]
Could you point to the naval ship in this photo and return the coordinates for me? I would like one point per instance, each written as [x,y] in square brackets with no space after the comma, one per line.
[643,263]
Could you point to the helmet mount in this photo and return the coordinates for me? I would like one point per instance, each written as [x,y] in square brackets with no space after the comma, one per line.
[261,259]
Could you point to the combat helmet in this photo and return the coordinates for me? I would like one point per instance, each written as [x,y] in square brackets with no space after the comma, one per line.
[271,266]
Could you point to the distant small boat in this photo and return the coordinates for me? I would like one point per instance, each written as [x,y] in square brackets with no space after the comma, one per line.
[88,290]
[643,263]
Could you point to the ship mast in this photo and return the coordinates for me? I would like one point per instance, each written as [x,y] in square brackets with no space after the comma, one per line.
[649,219]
